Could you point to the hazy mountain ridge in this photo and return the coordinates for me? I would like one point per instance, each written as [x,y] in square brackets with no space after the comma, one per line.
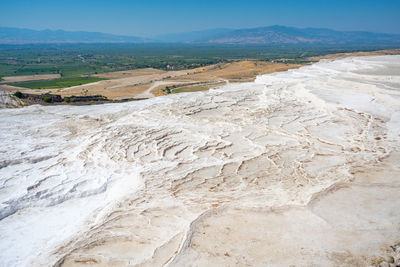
[287,35]
[24,36]
[261,35]
[192,36]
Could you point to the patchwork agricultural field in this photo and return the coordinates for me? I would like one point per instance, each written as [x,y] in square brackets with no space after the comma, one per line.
[69,60]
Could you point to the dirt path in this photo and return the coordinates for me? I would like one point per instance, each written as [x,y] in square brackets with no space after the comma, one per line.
[149,94]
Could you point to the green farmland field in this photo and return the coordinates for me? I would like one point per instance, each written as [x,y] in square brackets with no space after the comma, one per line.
[57,83]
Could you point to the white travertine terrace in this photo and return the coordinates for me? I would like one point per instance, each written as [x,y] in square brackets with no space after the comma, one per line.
[297,168]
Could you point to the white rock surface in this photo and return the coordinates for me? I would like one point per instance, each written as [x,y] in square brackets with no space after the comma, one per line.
[7,100]
[298,168]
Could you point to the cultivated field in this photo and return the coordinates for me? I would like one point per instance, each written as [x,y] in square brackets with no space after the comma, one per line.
[56,83]
[13,79]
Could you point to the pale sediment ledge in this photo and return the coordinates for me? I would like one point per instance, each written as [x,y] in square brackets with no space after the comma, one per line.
[297,168]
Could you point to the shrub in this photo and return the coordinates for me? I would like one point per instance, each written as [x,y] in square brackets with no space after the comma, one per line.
[18,94]
[68,100]
[47,99]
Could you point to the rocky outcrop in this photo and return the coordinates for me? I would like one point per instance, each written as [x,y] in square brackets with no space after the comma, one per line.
[8,100]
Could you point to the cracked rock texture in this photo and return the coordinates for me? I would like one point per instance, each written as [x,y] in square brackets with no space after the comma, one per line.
[297,168]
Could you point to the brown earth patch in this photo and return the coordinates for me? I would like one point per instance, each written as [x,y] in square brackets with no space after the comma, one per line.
[12,79]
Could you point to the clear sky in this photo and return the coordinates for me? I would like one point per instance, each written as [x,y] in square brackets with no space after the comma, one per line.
[151,17]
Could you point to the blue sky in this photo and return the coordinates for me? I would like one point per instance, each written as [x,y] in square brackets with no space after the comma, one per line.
[151,17]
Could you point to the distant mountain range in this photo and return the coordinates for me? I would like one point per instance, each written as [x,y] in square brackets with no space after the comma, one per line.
[261,35]
[195,36]
[27,36]
[291,35]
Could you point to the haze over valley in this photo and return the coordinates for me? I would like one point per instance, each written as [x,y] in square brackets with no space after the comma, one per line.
[260,35]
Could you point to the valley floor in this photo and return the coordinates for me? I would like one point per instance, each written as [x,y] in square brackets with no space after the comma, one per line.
[147,83]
